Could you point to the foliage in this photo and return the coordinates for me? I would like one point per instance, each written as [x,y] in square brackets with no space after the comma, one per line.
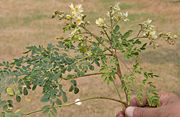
[78,55]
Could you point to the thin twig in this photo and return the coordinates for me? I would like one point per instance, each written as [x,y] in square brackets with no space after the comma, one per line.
[92,74]
[116,88]
[91,98]
[120,78]
[95,37]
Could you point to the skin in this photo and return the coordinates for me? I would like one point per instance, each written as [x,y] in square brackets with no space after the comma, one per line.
[169,107]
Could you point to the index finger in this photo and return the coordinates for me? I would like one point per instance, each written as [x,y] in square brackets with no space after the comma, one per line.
[135,102]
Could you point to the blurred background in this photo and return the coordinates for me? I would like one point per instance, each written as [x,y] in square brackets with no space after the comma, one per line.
[28,22]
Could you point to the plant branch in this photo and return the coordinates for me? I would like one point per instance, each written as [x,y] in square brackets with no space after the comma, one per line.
[116,88]
[139,33]
[86,58]
[86,99]
[116,23]
[125,64]
[111,19]
[106,34]
[120,78]
[95,37]
[86,75]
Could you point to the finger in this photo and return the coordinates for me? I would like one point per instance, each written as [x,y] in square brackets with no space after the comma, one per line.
[142,112]
[167,99]
[120,114]
[135,102]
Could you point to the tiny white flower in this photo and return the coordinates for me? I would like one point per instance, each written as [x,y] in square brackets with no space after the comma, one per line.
[116,7]
[78,103]
[152,34]
[119,16]
[126,20]
[71,6]
[151,27]
[79,20]
[108,14]
[74,32]
[78,8]
[100,22]
[112,13]
[126,14]
[123,16]
[148,21]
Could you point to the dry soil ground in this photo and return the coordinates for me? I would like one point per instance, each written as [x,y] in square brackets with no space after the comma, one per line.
[28,22]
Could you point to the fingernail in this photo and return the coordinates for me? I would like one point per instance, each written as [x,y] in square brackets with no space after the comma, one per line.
[129,111]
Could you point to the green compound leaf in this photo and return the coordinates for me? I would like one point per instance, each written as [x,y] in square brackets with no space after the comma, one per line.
[143,46]
[18,98]
[127,34]
[64,97]
[45,98]
[58,102]
[74,82]
[34,87]
[25,91]
[91,67]
[46,107]
[71,88]
[116,29]
[53,112]
[76,90]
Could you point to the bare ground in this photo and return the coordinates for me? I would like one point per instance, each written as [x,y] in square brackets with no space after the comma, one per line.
[28,22]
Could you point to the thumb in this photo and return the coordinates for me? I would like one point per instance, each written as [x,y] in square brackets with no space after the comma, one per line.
[142,112]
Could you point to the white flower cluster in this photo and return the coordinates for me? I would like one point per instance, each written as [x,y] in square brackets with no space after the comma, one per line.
[116,14]
[149,30]
[77,18]
[77,13]
[170,38]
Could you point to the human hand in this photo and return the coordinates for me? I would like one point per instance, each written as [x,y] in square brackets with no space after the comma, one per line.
[169,107]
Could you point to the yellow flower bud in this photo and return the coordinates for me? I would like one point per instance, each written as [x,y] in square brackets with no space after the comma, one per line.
[89,53]
[68,17]
[10,91]
[175,36]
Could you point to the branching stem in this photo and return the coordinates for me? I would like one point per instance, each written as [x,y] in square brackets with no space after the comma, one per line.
[116,88]
[91,98]
[120,78]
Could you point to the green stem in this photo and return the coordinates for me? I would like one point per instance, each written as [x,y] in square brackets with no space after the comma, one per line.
[95,38]
[116,89]
[139,33]
[85,58]
[111,19]
[92,74]
[106,34]
[120,78]
[91,98]
[116,23]
[109,38]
